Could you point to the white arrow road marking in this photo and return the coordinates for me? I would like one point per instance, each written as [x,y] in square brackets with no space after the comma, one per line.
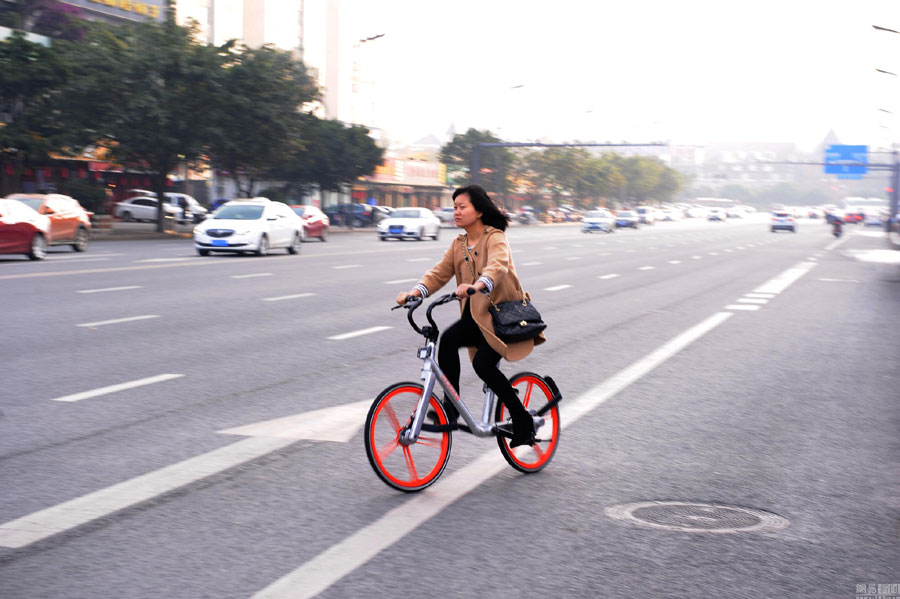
[316,575]
[352,334]
[120,387]
[101,323]
[339,423]
[109,289]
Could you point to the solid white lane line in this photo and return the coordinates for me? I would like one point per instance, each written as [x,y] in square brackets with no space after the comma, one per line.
[336,562]
[609,276]
[346,266]
[752,300]
[109,289]
[557,288]
[120,387]
[165,260]
[398,281]
[784,280]
[742,307]
[79,260]
[647,268]
[763,295]
[258,274]
[531,263]
[287,297]
[39,525]
[116,320]
[840,280]
[352,334]
[674,261]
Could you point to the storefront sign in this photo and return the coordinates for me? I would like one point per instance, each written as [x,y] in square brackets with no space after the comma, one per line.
[131,10]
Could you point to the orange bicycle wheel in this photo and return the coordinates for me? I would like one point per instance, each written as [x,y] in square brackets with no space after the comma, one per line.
[411,467]
[534,394]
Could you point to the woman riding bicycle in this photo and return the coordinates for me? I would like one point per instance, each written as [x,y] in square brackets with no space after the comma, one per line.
[480,259]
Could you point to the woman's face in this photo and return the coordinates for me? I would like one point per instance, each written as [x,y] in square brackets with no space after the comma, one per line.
[464,213]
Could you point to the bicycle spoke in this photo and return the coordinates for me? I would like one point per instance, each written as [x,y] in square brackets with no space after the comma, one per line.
[527,399]
[429,442]
[389,448]
[392,416]
[410,465]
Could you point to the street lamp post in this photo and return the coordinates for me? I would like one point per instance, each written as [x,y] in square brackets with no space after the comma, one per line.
[357,78]
[894,201]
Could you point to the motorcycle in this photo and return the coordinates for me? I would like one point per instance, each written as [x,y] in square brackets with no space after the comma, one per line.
[837,227]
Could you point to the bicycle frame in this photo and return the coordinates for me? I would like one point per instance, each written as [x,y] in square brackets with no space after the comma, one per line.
[431,375]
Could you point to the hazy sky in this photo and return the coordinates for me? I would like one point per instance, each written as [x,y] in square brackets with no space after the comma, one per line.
[689,71]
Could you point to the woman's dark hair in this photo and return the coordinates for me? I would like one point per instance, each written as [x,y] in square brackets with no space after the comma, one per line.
[482,202]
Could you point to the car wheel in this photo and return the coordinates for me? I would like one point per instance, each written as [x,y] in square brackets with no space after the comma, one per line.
[304,236]
[421,235]
[774,230]
[263,248]
[324,235]
[294,248]
[38,247]
[81,240]
[437,233]
[126,216]
[203,252]
[382,237]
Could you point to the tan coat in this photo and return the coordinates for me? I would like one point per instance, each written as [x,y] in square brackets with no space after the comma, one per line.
[492,258]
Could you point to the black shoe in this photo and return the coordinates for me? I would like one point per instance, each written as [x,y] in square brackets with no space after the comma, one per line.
[523,433]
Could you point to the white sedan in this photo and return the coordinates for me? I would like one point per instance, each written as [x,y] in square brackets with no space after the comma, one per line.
[254,225]
[600,219]
[412,223]
[143,208]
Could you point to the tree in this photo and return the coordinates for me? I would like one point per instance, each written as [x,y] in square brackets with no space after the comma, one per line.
[496,163]
[257,101]
[31,76]
[151,109]
[327,155]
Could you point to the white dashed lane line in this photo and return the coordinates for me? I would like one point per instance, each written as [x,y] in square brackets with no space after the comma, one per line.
[674,261]
[101,323]
[557,288]
[609,276]
[258,274]
[287,297]
[120,387]
[109,289]
[358,333]
[574,258]
[416,259]
[647,268]
[748,307]
[343,266]
[398,281]
[752,300]
[531,263]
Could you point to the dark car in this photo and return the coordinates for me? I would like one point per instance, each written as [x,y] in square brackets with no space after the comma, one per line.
[70,224]
[627,219]
[23,230]
[356,215]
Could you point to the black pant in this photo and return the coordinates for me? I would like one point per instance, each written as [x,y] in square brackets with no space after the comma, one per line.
[465,333]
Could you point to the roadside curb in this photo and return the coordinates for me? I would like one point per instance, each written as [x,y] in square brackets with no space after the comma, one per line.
[894,240]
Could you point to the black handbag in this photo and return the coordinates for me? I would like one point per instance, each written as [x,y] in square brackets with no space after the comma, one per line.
[516,320]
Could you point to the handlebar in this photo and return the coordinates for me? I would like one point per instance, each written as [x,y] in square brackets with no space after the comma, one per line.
[413,302]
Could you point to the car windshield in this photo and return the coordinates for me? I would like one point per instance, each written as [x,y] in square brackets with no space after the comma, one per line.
[596,214]
[30,202]
[781,214]
[233,212]
[626,213]
[405,214]
[300,210]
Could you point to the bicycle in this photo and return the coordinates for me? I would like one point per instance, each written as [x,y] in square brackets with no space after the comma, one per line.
[409,454]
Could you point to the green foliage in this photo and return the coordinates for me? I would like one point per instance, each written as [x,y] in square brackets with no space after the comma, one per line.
[256,109]
[329,155]
[496,163]
[90,195]
[276,194]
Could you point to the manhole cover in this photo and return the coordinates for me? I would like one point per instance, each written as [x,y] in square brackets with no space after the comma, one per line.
[696,517]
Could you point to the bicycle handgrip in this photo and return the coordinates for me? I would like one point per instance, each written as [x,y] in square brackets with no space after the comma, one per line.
[470,291]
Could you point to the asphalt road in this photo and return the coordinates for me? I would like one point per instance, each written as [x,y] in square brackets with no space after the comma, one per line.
[701,363]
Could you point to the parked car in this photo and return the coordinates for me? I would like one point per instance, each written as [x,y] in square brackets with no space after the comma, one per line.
[70,224]
[716,214]
[600,219]
[359,215]
[315,222]
[646,215]
[191,210]
[626,219]
[734,213]
[783,220]
[144,208]
[445,215]
[410,223]
[23,230]
[250,225]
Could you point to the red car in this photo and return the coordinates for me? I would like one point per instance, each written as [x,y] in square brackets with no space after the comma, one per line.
[23,230]
[70,224]
[315,222]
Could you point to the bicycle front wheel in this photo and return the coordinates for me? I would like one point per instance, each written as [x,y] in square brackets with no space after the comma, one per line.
[534,394]
[406,468]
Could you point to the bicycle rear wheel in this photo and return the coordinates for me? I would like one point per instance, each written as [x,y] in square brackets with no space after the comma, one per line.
[534,394]
[406,468]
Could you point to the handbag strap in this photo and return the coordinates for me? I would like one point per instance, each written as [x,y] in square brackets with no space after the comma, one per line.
[469,261]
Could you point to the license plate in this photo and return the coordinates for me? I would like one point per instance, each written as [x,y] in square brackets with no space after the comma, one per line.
[396,229]
[220,242]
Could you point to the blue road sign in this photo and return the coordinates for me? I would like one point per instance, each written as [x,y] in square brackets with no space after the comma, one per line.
[848,162]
